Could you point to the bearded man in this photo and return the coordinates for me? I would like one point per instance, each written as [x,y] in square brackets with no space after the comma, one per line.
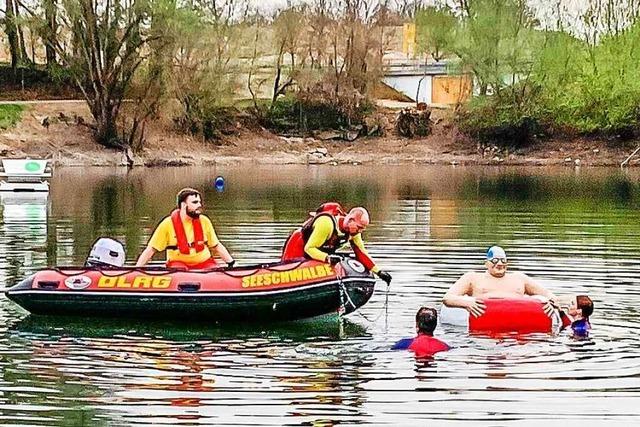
[188,237]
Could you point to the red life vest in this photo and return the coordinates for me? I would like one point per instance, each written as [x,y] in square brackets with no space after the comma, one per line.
[181,236]
[294,246]
[335,241]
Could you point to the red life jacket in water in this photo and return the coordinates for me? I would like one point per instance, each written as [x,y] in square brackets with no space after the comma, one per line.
[294,246]
[183,246]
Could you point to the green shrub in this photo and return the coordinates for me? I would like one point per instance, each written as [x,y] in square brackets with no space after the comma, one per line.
[592,90]
[500,122]
[10,114]
[303,113]
[283,115]
[200,118]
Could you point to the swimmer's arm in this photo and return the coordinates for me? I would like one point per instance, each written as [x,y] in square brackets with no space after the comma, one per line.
[457,295]
[460,296]
[534,289]
[531,287]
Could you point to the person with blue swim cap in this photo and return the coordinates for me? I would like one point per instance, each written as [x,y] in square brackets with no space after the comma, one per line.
[469,291]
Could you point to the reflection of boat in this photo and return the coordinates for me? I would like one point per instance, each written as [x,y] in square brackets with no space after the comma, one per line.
[326,326]
[23,231]
[21,207]
[278,291]
[24,175]
[502,315]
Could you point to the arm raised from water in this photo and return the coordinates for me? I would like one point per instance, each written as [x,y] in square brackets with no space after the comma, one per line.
[531,287]
[459,295]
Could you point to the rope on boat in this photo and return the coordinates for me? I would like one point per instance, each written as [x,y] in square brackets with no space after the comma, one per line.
[342,290]
[384,309]
[344,294]
[119,271]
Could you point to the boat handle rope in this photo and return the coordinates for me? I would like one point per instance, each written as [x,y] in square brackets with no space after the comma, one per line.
[383,309]
[344,294]
[161,272]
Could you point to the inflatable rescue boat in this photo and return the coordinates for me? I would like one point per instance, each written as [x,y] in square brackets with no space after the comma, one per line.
[502,316]
[269,292]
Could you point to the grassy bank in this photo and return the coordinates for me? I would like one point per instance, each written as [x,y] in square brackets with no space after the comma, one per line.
[10,114]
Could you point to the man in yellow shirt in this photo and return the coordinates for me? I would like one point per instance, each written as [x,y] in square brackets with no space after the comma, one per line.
[187,236]
[320,237]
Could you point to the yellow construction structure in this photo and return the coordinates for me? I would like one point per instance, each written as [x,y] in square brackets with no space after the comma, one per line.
[409,39]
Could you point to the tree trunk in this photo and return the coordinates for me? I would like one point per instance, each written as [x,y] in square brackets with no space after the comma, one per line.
[12,35]
[23,50]
[276,82]
[52,30]
[106,132]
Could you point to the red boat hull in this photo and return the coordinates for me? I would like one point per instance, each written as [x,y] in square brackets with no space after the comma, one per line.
[280,291]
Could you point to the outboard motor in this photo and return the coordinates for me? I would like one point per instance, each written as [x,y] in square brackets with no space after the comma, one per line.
[106,252]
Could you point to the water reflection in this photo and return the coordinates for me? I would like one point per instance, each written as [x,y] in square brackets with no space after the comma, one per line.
[324,327]
[23,232]
[575,232]
[183,372]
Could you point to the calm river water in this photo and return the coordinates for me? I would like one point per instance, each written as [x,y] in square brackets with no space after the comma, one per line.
[573,230]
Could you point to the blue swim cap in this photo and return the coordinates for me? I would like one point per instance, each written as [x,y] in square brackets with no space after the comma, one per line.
[496,252]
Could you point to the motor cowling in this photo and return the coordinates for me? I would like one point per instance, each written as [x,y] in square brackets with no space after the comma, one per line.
[106,252]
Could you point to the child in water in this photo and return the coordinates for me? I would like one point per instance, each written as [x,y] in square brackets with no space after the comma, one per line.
[424,344]
[574,312]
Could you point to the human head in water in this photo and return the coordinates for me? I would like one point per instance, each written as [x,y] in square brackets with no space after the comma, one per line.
[426,320]
[496,262]
[356,220]
[581,307]
[189,201]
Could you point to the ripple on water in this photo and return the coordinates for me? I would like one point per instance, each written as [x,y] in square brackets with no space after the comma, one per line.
[430,225]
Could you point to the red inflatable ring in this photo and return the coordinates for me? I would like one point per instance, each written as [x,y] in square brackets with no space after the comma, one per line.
[502,315]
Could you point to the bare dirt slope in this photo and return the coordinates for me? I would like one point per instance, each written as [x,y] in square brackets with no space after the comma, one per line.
[58,130]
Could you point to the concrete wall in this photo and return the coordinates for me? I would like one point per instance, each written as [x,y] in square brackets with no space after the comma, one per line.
[409,86]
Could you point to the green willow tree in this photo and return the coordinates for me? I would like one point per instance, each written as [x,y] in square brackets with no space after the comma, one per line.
[493,42]
[435,28]
[205,66]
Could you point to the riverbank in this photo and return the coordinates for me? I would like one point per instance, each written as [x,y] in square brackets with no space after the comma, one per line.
[58,131]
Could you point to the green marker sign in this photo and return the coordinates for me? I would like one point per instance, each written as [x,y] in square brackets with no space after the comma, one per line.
[32,166]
